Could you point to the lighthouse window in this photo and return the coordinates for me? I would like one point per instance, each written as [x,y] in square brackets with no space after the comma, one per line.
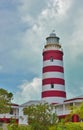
[52,85]
[51,59]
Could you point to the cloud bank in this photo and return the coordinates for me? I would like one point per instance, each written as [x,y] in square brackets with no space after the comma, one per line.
[29,90]
[25,27]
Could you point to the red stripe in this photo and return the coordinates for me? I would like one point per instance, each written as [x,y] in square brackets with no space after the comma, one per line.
[53,69]
[55,51]
[53,94]
[56,54]
[55,57]
[53,80]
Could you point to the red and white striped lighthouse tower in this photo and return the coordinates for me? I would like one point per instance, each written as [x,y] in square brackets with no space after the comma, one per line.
[53,83]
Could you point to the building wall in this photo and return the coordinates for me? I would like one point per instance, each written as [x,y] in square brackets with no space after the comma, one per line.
[17,111]
[61,110]
[14,114]
[22,118]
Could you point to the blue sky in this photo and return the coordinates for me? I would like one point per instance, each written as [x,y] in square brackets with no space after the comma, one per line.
[24,25]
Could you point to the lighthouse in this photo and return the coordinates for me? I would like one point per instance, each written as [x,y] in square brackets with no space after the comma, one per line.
[53,83]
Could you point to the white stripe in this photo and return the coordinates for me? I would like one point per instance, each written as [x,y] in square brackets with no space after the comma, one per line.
[52,49]
[56,87]
[53,75]
[54,99]
[54,63]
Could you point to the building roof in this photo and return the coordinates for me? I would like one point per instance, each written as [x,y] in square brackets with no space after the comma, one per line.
[14,104]
[75,98]
[34,102]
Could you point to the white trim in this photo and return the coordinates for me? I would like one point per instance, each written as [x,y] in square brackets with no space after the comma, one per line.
[54,99]
[56,87]
[53,75]
[54,63]
[52,48]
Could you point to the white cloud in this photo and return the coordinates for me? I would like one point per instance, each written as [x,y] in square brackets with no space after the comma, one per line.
[55,10]
[54,13]
[74,44]
[29,90]
[32,40]
[40,18]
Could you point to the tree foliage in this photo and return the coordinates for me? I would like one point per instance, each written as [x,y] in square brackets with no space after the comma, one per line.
[78,110]
[40,116]
[5,100]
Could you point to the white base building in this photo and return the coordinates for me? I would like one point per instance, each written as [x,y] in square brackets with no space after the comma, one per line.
[62,110]
[14,114]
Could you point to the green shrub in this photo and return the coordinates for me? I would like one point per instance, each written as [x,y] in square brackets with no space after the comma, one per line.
[52,128]
[18,127]
[37,126]
[73,126]
[67,126]
[59,126]
[1,124]
[1,128]
[12,127]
